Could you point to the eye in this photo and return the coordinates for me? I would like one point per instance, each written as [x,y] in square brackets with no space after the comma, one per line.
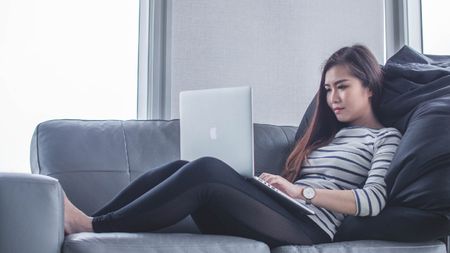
[342,87]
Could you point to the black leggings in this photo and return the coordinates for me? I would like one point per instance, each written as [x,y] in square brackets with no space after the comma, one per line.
[219,200]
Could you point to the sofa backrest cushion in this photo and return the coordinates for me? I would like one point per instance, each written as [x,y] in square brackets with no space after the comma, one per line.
[94,160]
[87,157]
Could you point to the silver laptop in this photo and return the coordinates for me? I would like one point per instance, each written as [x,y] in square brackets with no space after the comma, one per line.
[218,123]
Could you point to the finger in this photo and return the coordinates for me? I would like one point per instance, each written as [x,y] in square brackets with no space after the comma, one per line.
[272,180]
[277,183]
[265,176]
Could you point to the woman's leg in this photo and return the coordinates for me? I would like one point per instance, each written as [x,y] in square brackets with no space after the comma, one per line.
[141,185]
[220,201]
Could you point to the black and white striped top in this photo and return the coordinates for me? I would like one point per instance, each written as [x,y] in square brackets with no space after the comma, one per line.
[357,159]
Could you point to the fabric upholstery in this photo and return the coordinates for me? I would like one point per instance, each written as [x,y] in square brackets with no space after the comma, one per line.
[416,100]
[401,224]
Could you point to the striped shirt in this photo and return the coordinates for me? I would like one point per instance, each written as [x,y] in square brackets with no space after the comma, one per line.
[357,159]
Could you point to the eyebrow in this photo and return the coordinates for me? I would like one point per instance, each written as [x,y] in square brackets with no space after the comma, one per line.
[337,82]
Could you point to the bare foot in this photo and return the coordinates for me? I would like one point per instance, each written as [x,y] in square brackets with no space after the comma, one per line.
[75,221]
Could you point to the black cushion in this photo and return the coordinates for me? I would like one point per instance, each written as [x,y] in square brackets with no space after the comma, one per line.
[395,224]
[416,100]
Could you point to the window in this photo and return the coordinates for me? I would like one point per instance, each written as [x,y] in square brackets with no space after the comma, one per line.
[63,59]
[435,27]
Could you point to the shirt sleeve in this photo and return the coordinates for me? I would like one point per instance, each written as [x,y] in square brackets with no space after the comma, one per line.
[371,199]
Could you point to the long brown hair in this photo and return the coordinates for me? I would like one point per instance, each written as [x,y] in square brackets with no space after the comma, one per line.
[323,126]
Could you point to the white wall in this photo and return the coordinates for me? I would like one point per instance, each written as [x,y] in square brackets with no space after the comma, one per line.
[277,47]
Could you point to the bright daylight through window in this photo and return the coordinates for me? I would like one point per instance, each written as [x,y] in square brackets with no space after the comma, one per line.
[63,59]
[435,27]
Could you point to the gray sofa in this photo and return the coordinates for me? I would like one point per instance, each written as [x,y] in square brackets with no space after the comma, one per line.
[94,160]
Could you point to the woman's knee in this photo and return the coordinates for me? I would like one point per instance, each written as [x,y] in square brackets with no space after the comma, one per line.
[209,166]
[179,163]
[210,162]
[168,168]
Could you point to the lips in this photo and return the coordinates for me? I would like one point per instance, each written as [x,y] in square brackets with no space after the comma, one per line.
[338,109]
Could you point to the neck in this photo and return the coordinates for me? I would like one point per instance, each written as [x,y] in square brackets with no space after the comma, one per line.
[369,121]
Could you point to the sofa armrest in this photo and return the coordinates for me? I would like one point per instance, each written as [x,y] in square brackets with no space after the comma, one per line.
[31,213]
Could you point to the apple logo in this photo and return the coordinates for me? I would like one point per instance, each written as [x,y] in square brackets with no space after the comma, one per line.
[213,133]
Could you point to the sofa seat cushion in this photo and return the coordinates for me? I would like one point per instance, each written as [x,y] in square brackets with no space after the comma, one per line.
[366,247]
[158,242]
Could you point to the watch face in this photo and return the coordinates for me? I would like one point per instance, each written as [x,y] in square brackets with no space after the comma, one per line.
[309,193]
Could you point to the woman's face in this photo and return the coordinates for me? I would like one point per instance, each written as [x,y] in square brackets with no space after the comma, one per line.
[346,96]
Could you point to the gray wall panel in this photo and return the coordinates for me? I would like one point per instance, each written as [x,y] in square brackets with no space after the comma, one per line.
[277,47]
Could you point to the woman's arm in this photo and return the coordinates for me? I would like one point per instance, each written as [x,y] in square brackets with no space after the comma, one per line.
[366,201]
[342,201]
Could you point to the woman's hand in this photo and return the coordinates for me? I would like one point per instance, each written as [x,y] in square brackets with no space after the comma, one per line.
[282,184]
[341,201]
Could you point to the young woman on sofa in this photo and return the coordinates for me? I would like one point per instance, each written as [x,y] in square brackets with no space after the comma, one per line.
[338,166]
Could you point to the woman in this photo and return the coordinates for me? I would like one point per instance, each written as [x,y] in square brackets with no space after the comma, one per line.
[338,167]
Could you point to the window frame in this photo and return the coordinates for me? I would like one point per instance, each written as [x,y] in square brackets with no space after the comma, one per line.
[403,25]
[154,56]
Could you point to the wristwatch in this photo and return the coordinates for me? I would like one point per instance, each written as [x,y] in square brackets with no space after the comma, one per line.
[308,193]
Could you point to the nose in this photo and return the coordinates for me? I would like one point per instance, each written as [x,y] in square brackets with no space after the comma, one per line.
[334,96]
